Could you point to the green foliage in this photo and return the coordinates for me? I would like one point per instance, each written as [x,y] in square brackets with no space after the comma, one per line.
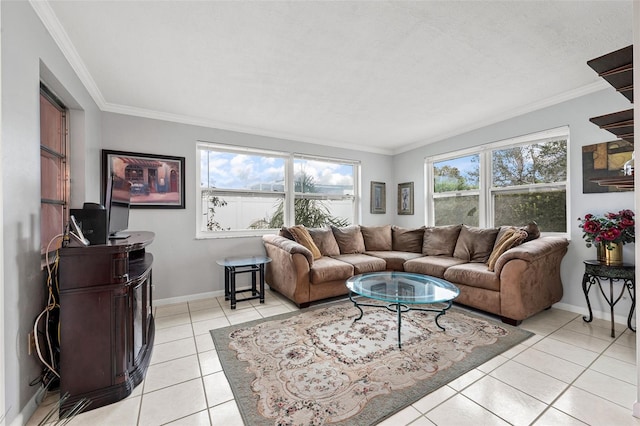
[448,178]
[548,209]
[212,224]
[308,212]
[530,164]
[457,210]
[522,165]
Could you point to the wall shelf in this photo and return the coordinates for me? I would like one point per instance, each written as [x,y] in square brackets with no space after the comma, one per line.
[621,182]
[619,123]
[617,69]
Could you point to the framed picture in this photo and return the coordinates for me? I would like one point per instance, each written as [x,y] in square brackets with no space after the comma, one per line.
[157,181]
[602,161]
[405,198]
[378,197]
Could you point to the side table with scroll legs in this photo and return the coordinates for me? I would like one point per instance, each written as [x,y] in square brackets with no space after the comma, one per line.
[595,271]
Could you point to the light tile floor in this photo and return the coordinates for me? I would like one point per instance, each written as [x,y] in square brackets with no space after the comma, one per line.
[569,373]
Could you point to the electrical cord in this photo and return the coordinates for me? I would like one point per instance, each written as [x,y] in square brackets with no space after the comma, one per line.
[52,304]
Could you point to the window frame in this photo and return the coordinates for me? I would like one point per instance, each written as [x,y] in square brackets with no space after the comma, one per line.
[289,195]
[487,190]
[63,181]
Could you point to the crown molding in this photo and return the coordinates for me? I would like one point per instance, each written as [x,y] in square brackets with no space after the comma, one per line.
[511,113]
[203,122]
[52,24]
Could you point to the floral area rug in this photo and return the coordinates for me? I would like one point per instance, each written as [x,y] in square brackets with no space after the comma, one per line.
[317,366]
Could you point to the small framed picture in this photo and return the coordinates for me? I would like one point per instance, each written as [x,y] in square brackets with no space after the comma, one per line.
[405,198]
[378,197]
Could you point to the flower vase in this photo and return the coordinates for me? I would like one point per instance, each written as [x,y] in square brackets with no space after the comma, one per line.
[612,256]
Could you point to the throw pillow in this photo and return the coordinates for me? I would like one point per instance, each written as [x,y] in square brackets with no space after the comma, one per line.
[440,240]
[510,239]
[284,232]
[349,239]
[475,244]
[377,238]
[302,236]
[409,240]
[532,231]
[326,242]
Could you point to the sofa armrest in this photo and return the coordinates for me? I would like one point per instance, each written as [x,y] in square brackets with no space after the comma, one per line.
[530,278]
[288,245]
[532,250]
[288,271]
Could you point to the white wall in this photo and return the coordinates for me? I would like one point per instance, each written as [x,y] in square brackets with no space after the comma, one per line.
[183,266]
[2,375]
[29,54]
[409,166]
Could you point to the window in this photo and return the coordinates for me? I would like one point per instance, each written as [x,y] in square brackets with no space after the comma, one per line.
[246,191]
[324,192]
[54,191]
[507,183]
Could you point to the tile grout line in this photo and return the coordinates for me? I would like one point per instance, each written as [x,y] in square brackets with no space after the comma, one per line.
[586,368]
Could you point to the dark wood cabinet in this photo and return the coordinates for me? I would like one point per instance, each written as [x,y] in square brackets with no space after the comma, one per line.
[106,320]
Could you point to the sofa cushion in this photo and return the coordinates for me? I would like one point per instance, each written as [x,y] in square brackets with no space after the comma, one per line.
[395,259]
[474,275]
[404,239]
[376,237]
[329,269]
[509,239]
[440,240]
[349,239]
[302,236]
[431,265]
[284,232]
[475,244]
[363,263]
[532,231]
[326,242]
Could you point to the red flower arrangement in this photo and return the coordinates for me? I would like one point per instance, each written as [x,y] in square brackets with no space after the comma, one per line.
[616,228]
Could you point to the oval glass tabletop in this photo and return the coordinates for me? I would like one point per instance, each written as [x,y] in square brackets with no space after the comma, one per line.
[403,287]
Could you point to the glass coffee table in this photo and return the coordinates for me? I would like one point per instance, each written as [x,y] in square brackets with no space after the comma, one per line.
[402,290]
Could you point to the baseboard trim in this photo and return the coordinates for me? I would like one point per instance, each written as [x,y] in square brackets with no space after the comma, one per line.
[188,298]
[582,310]
[28,410]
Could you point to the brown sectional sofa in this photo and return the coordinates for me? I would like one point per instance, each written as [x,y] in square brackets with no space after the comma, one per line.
[514,283]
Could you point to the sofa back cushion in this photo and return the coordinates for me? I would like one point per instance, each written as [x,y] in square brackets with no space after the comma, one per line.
[440,240]
[302,236]
[377,238]
[409,240]
[475,244]
[349,239]
[326,242]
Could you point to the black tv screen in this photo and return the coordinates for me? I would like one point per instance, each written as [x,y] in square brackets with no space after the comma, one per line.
[118,200]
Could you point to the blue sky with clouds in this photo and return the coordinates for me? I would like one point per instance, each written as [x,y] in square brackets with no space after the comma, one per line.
[242,171]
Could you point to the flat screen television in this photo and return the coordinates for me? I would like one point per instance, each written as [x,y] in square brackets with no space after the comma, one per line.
[117,202]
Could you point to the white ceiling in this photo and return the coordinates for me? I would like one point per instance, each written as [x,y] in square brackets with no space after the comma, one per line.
[378,76]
